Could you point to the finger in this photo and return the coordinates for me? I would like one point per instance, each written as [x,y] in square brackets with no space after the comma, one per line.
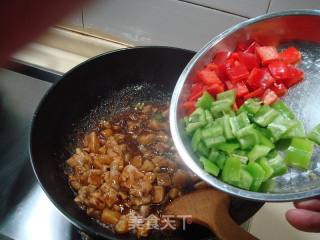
[312,204]
[304,220]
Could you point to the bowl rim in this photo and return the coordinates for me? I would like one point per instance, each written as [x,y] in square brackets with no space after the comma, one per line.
[213,181]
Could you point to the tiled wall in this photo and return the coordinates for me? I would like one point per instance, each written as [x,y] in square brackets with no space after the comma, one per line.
[187,24]
[158,22]
[246,8]
[280,5]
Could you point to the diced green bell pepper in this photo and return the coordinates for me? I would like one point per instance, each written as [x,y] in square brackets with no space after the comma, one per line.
[314,135]
[265,116]
[209,166]
[185,120]
[212,135]
[202,149]
[220,160]
[243,120]
[231,170]
[246,179]
[196,138]
[217,157]
[245,131]
[281,107]
[266,132]
[266,167]
[196,120]
[264,140]
[297,131]
[229,112]
[213,155]
[220,106]
[278,165]
[228,147]
[212,131]
[251,106]
[191,127]
[248,141]
[258,151]
[247,137]
[227,127]
[239,122]
[268,186]
[242,154]
[209,117]
[198,116]
[283,144]
[205,101]
[213,141]
[257,173]
[299,153]
[281,125]
[230,95]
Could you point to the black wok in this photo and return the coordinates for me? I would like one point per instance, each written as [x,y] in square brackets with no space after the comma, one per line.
[95,88]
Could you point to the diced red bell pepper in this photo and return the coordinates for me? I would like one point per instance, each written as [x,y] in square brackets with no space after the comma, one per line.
[234,56]
[195,96]
[290,55]
[239,101]
[252,47]
[208,77]
[215,88]
[260,78]
[267,54]
[254,94]
[229,63]
[229,85]
[295,75]
[279,70]
[212,67]
[221,57]
[279,88]
[250,60]
[237,72]
[197,90]
[241,89]
[242,46]
[269,97]
[196,87]
[235,107]
[219,69]
[189,106]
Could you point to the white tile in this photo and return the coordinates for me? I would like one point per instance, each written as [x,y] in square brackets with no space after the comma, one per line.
[270,223]
[280,5]
[155,22]
[247,8]
[73,20]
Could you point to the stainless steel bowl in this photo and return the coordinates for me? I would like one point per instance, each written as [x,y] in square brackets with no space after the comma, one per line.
[300,28]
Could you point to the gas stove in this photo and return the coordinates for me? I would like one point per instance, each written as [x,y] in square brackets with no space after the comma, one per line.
[25,211]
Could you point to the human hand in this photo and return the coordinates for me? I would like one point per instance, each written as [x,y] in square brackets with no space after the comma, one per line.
[306,216]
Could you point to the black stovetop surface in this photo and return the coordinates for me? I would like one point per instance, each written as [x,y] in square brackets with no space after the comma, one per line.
[25,211]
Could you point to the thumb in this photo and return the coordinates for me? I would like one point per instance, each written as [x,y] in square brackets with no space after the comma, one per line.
[304,220]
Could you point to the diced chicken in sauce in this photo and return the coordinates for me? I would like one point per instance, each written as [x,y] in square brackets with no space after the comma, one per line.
[128,167]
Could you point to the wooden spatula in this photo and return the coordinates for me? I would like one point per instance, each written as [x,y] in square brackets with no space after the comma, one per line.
[209,208]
